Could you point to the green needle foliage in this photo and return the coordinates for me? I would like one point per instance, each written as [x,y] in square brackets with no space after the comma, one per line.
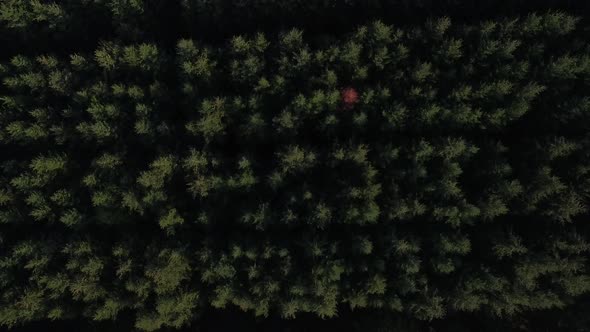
[157,181]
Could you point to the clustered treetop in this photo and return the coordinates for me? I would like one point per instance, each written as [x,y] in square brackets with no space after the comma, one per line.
[424,170]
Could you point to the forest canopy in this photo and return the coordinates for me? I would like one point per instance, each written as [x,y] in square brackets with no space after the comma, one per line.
[421,171]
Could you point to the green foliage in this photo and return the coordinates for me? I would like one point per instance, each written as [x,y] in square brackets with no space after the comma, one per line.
[21,13]
[194,62]
[158,178]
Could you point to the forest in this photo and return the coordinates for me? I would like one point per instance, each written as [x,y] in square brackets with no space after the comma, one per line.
[290,165]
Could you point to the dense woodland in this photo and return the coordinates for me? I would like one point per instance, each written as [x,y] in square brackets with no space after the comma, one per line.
[158,174]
